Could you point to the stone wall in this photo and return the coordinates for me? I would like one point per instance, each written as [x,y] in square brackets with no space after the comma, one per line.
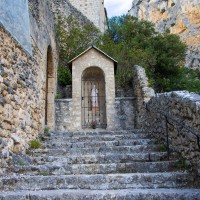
[93,58]
[93,10]
[64,9]
[143,93]
[181,17]
[23,83]
[63,114]
[124,113]
[123,117]
[181,108]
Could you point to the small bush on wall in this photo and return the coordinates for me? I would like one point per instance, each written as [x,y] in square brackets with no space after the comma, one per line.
[64,76]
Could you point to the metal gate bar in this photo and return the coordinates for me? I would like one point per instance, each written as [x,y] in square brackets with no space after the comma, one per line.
[93,104]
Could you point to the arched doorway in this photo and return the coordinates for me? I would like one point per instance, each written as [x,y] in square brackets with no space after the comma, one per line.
[93,102]
[50,89]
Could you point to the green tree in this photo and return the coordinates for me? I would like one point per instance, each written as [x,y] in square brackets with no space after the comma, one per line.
[132,41]
[74,37]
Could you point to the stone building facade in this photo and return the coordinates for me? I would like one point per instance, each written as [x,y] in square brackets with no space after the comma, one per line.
[92,72]
[28,70]
[27,82]
[94,10]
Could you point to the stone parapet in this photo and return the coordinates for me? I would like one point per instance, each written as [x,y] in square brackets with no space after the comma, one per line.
[143,93]
[182,110]
[123,114]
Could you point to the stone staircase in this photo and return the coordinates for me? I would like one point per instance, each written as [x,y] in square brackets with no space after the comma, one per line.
[100,165]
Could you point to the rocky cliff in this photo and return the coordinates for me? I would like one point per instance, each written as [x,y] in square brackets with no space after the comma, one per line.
[180,16]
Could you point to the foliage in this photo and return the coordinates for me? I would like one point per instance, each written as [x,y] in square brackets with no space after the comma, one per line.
[74,37]
[169,53]
[58,96]
[173,4]
[21,163]
[131,41]
[35,144]
[125,40]
[64,76]
[182,164]
[162,147]
[44,173]
[186,79]
[163,10]
[46,131]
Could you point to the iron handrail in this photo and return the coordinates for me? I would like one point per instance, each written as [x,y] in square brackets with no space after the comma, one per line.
[167,118]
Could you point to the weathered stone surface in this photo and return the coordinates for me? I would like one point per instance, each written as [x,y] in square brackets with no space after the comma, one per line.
[128,194]
[93,10]
[180,108]
[143,93]
[124,115]
[181,17]
[22,76]
[100,170]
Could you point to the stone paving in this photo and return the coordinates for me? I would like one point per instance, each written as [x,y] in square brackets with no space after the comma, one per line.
[98,165]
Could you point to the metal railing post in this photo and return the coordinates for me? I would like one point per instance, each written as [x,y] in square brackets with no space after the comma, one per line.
[167,135]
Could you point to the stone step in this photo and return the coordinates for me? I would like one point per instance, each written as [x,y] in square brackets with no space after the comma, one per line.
[96,150]
[102,159]
[130,142]
[96,132]
[98,181]
[127,194]
[96,138]
[64,169]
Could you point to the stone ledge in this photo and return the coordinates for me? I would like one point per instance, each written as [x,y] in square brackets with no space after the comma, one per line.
[63,100]
[124,98]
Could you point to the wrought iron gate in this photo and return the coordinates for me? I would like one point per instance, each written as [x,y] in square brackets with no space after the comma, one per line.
[93,104]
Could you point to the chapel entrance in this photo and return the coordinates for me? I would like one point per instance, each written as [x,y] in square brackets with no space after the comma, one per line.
[93,103]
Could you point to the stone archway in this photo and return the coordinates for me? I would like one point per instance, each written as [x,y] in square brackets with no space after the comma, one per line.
[93,99]
[50,90]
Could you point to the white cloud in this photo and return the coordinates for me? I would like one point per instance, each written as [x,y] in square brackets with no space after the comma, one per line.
[117,7]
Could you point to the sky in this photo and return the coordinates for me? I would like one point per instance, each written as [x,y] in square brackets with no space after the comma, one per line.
[117,7]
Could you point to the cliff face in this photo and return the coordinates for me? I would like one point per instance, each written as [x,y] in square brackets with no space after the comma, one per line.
[180,16]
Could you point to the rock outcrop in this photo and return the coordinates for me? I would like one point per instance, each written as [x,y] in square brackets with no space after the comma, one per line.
[181,17]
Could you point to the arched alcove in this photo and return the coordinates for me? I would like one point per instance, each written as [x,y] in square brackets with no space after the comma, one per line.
[50,90]
[93,101]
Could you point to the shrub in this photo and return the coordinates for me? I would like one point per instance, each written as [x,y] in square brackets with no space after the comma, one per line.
[58,96]
[64,76]
[35,144]
[182,164]
[46,131]
[186,79]
[162,10]
[173,4]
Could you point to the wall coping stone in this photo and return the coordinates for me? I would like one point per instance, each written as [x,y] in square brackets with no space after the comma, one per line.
[182,94]
[125,98]
[63,100]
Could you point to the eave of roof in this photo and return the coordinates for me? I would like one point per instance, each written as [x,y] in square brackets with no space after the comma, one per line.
[94,47]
